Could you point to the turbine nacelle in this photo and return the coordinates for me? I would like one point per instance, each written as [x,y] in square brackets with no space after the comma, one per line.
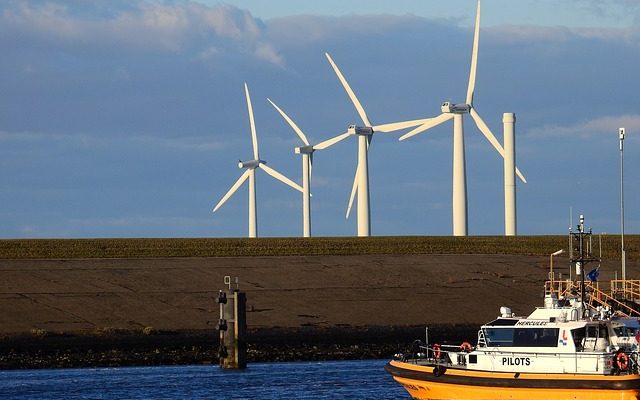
[460,108]
[304,149]
[360,130]
[253,164]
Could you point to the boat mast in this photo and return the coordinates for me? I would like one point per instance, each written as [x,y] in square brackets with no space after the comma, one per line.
[580,257]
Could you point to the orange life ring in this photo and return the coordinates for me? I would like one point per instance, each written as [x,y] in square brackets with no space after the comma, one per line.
[466,347]
[436,351]
[622,360]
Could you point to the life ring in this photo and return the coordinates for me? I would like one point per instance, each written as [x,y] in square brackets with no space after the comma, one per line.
[622,361]
[436,351]
[466,347]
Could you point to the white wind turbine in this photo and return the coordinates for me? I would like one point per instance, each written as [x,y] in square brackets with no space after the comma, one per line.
[307,162]
[249,173]
[365,134]
[456,111]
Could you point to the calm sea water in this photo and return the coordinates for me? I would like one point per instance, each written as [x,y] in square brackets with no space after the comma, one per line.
[308,380]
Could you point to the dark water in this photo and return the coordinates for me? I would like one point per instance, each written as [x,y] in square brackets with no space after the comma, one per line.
[309,380]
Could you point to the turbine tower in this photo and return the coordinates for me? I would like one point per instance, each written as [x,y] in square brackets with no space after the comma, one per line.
[249,173]
[365,134]
[455,112]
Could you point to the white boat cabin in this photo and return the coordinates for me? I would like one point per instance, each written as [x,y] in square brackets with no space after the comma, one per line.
[553,339]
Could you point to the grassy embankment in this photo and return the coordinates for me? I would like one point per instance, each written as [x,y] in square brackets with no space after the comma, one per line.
[213,247]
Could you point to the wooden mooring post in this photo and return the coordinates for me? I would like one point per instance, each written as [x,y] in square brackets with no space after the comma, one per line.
[232,325]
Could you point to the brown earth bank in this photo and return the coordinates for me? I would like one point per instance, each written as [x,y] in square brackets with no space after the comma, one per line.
[149,311]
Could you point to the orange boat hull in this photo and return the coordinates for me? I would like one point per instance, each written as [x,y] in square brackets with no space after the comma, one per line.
[462,384]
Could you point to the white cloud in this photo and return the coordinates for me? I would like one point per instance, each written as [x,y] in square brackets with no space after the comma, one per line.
[600,126]
[559,34]
[184,143]
[522,33]
[172,27]
[302,30]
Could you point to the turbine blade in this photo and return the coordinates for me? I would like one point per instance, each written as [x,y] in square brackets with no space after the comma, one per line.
[474,58]
[350,92]
[522,178]
[280,177]
[233,189]
[353,193]
[486,131]
[395,126]
[431,122]
[331,142]
[310,166]
[254,137]
[491,138]
[292,124]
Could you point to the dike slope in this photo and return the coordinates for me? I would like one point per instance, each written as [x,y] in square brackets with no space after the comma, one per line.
[89,295]
[150,311]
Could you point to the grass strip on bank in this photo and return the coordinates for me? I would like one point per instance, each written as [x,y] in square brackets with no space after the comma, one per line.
[260,247]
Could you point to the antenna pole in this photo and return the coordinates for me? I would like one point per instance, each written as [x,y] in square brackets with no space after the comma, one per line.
[582,266]
[581,256]
[621,133]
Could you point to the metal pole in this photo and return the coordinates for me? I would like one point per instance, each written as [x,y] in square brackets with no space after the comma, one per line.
[582,266]
[621,133]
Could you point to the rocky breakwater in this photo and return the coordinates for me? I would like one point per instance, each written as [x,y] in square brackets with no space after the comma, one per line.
[117,348]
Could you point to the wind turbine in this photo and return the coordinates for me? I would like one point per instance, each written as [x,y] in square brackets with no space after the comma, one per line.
[249,173]
[307,162]
[365,134]
[455,112]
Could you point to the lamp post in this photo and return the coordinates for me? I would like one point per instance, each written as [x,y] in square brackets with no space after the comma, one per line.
[621,133]
[557,253]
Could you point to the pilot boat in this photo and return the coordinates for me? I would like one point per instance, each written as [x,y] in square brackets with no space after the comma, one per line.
[566,349]
[550,354]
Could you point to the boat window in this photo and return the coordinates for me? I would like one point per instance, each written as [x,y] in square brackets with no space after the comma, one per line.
[499,337]
[592,331]
[503,322]
[536,337]
[578,336]
[604,333]
[624,331]
[522,337]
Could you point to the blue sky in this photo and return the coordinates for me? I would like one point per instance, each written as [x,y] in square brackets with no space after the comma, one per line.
[127,118]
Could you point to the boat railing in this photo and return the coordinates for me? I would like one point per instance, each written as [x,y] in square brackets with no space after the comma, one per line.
[558,288]
[599,360]
[436,353]
[482,341]
[599,298]
[455,356]
[626,289]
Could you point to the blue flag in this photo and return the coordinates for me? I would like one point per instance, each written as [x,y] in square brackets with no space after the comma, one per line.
[593,274]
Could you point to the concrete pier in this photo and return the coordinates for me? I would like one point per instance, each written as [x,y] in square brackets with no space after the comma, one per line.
[232,325]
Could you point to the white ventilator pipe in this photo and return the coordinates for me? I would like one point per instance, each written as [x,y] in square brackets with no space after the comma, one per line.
[510,218]
[364,218]
[459,179]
